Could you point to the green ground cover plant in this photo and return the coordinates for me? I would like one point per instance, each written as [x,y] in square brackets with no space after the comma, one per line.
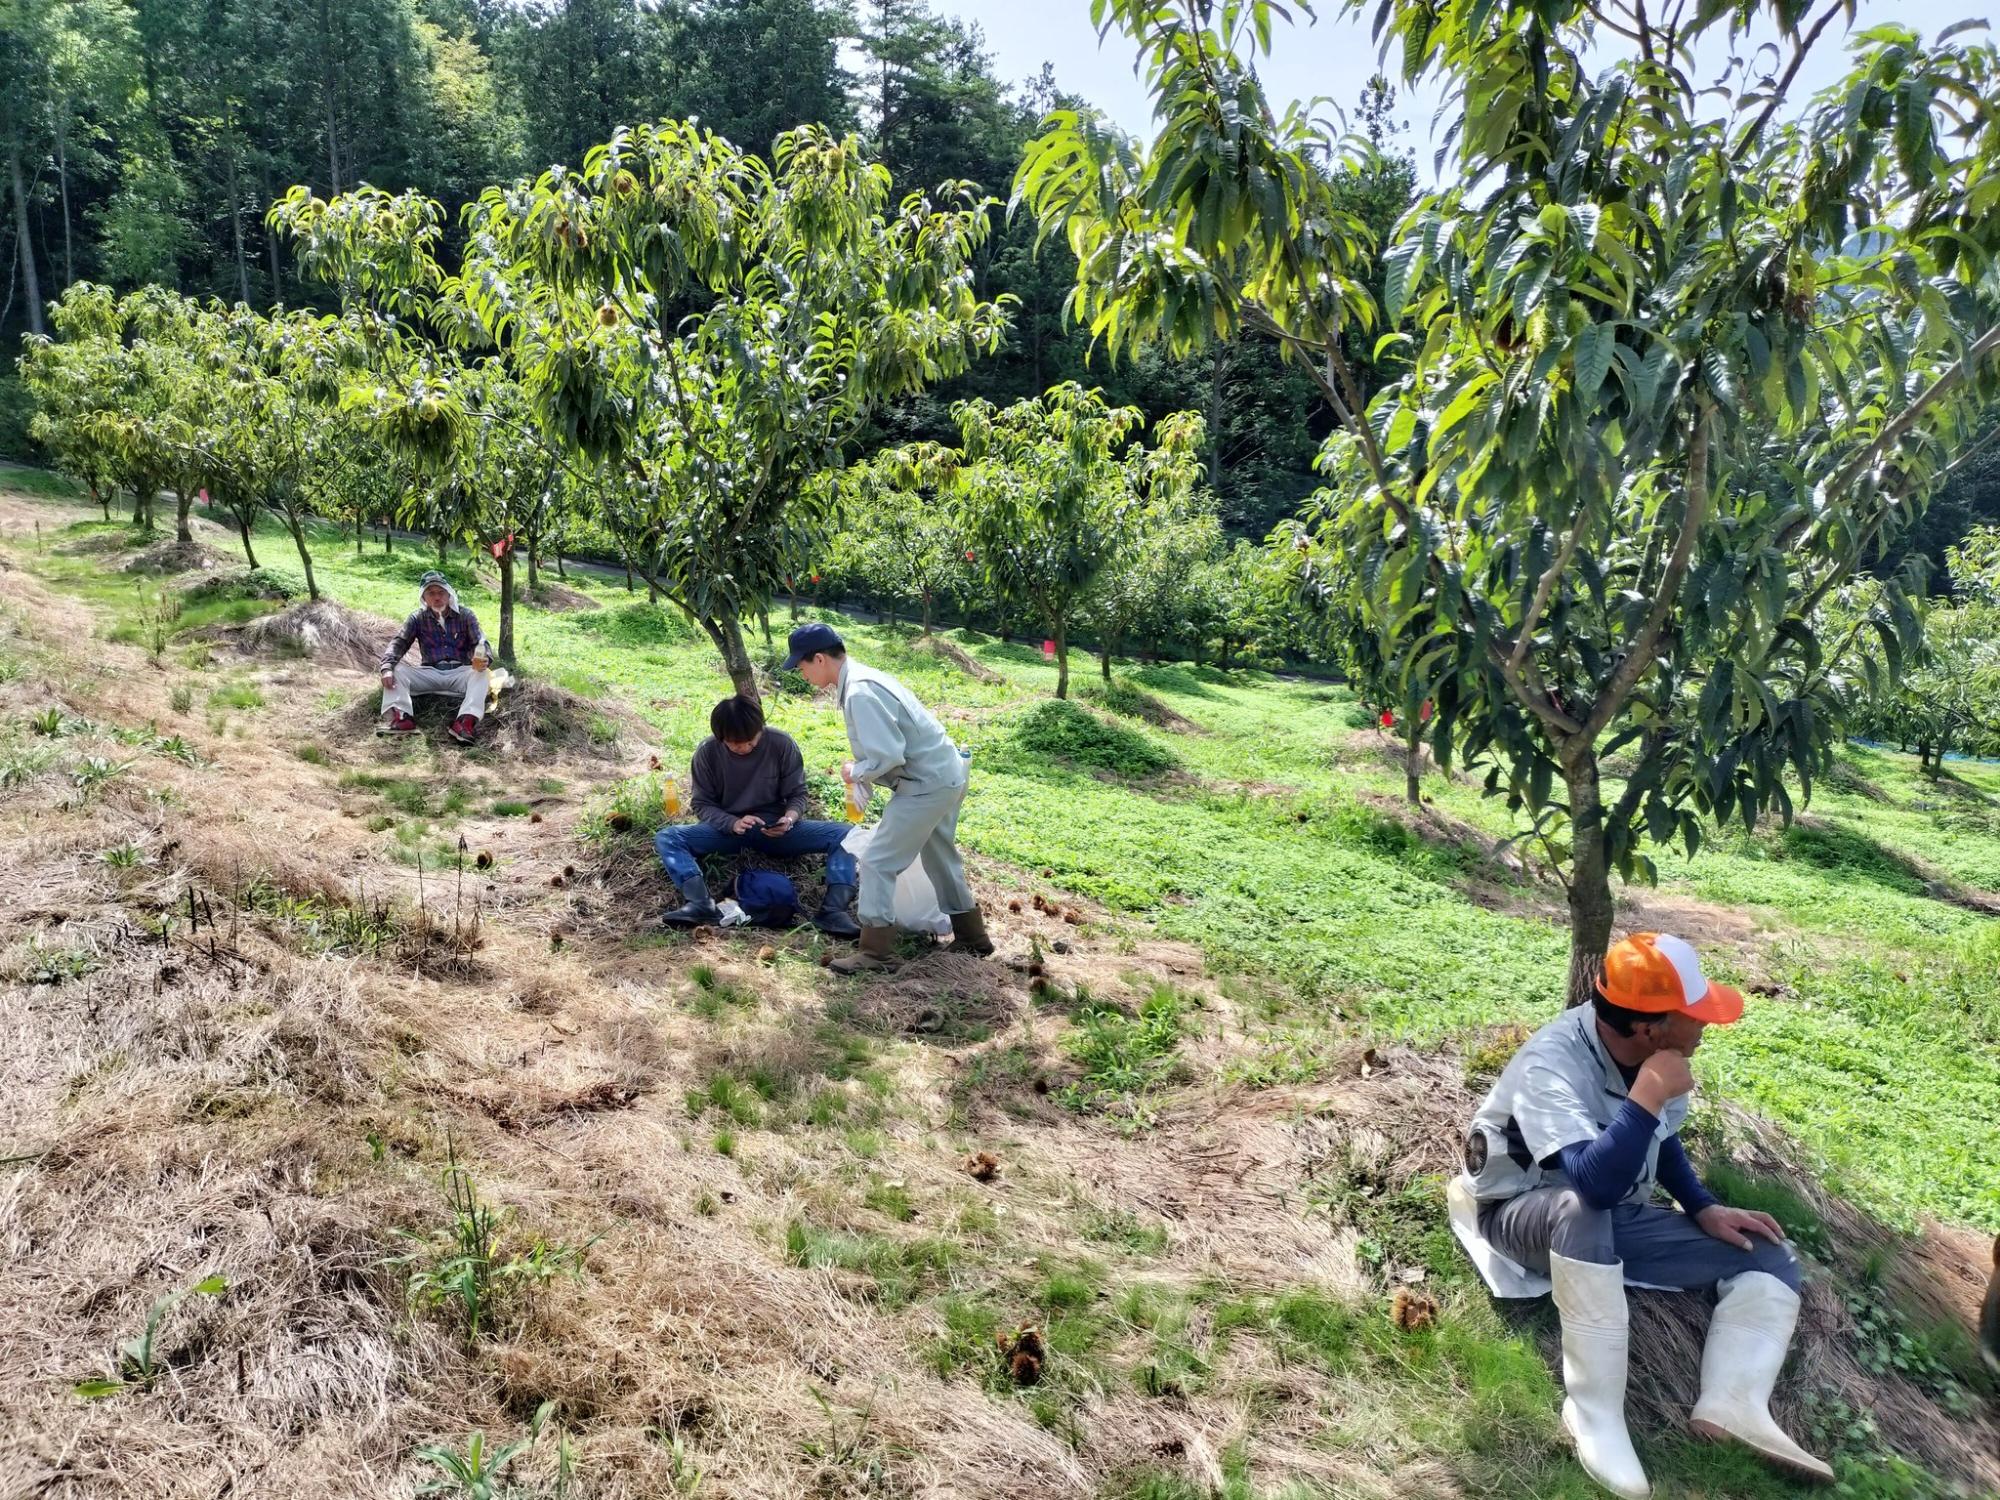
[1286,860]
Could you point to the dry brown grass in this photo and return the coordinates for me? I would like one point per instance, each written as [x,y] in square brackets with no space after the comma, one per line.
[320,629]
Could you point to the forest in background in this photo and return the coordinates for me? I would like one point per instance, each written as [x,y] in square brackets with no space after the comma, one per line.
[145,139]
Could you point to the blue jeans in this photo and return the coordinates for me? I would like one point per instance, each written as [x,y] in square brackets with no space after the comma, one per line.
[679,845]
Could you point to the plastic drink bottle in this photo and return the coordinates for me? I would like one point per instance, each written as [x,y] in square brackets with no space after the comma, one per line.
[856,808]
[670,796]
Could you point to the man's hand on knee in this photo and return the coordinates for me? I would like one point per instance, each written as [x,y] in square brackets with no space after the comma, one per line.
[1734,1226]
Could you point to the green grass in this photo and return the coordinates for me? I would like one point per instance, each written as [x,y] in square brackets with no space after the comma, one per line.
[236,695]
[1279,849]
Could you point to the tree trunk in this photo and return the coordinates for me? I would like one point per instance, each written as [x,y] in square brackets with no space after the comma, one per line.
[1590,908]
[62,182]
[236,229]
[628,575]
[534,566]
[299,540]
[727,633]
[560,573]
[330,92]
[101,496]
[142,509]
[270,238]
[764,619]
[1062,660]
[249,552]
[183,508]
[507,608]
[387,534]
[1413,765]
[29,281]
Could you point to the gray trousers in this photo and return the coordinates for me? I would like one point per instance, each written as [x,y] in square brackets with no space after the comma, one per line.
[413,680]
[1659,1246]
[915,826]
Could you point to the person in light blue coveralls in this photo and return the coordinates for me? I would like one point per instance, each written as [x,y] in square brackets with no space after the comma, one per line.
[1561,1163]
[749,785]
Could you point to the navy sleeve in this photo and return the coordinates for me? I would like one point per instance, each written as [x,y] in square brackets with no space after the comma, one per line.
[1603,1171]
[1678,1177]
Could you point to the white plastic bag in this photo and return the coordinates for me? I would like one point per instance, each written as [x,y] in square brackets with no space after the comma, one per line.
[917,908]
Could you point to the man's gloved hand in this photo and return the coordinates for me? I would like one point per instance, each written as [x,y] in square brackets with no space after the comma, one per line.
[1734,1226]
[1662,1077]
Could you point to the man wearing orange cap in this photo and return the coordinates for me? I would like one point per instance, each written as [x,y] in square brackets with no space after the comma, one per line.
[1561,1164]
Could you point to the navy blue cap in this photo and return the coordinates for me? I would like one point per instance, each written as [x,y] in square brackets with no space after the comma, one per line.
[810,640]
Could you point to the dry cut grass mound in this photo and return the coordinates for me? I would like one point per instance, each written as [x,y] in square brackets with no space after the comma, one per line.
[950,651]
[532,721]
[172,557]
[558,599]
[319,629]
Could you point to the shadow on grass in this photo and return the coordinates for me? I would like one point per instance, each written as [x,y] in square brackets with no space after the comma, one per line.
[1851,855]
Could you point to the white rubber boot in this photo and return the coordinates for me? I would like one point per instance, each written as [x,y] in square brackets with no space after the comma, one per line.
[1747,1341]
[1596,1341]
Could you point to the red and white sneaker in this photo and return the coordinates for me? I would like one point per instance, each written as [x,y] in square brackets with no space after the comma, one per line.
[399,723]
[464,729]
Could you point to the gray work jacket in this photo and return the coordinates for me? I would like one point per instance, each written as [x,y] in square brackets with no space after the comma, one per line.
[1562,1087]
[895,740]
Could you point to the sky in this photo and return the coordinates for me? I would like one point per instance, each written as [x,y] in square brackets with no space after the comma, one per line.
[1330,58]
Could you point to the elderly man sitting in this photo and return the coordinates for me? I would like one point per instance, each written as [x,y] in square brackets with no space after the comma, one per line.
[1560,1166]
[452,656]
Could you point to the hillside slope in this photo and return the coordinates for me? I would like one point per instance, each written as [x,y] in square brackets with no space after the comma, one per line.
[298,1008]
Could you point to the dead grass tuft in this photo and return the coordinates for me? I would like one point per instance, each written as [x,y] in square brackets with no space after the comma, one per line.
[956,655]
[171,557]
[320,629]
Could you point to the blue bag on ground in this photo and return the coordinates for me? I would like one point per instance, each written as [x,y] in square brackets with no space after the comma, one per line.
[767,898]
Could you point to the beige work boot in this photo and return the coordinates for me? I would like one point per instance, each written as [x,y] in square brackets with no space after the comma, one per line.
[968,934]
[1596,1342]
[1747,1340]
[874,953]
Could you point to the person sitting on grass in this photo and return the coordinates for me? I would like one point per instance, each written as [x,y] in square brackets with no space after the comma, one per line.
[749,785]
[1560,1167]
[452,656]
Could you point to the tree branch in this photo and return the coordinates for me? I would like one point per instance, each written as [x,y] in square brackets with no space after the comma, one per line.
[1545,588]
[1536,700]
[1756,126]
[1845,478]
[1646,644]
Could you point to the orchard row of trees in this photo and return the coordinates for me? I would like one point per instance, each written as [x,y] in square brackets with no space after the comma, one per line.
[141,142]
[678,348]
[1621,414]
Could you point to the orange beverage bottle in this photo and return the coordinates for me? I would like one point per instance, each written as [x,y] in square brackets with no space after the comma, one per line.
[856,808]
[670,796]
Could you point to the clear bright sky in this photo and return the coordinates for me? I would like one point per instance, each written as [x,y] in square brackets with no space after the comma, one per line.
[1331,58]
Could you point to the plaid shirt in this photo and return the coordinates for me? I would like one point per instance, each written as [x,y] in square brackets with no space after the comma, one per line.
[442,640]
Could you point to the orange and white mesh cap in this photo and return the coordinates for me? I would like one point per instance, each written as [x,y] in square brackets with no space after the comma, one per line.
[1659,973]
